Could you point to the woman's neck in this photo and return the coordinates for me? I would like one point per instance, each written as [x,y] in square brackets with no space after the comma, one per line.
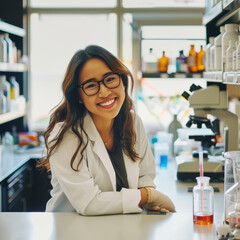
[104,126]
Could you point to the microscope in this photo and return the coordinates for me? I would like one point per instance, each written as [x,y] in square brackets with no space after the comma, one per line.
[212,100]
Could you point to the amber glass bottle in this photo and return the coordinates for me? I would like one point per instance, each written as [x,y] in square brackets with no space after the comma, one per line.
[163,63]
[192,60]
[201,60]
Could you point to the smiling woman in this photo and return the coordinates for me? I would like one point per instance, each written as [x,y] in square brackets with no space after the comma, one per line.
[97,149]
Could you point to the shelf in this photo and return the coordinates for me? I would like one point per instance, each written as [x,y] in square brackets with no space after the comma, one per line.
[12,67]
[5,117]
[214,76]
[172,75]
[212,13]
[231,78]
[6,27]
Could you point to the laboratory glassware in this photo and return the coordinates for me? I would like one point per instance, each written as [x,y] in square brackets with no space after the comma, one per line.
[203,208]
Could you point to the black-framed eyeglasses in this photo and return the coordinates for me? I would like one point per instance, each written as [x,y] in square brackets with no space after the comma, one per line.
[91,87]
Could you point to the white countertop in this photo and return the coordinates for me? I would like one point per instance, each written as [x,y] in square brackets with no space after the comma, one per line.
[11,161]
[71,226]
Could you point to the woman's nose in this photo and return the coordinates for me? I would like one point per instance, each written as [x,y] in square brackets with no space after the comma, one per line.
[104,91]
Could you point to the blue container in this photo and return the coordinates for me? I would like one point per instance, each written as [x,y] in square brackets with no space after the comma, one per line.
[163,161]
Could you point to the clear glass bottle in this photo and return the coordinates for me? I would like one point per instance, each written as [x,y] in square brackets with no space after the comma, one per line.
[203,208]
[150,62]
[163,63]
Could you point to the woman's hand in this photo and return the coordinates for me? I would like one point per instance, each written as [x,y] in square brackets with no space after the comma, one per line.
[158,201]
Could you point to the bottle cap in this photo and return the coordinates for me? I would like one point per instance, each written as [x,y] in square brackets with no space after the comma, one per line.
[2,77]
[211,40]
[222,29]
[231,27]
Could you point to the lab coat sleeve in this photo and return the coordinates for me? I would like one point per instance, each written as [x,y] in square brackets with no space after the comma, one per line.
[147,171]
[81,190]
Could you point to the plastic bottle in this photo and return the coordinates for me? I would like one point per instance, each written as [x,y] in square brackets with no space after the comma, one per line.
[229,55]
[230,34]
[203,208]
[235,57]
[150,63]
[14,88]
[181,63]
[208,54]
[3,103]
[14,53]
[9,48]
[218,50]
[5,87]
[172,128]
[212,51]
[163,63]
[3,49]
[192,59]
[201,60]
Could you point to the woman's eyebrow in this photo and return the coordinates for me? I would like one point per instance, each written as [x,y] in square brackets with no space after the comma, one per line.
[94,79]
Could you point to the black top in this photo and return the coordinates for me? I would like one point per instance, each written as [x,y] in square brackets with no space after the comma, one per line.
[116,156]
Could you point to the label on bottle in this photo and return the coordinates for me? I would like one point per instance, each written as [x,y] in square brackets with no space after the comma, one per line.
[191,61]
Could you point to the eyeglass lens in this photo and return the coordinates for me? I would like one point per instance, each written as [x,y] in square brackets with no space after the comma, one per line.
[111,81]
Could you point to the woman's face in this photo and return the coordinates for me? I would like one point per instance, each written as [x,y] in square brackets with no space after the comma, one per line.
[107,103]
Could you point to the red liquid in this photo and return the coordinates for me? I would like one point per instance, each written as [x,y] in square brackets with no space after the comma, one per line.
[203,220]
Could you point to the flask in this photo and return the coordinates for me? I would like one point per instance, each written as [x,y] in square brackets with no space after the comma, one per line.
[192,59]
[3,49]
[230,34]
[9,48]
[203,202]
[201,60]
[218,50]
[14,88]
[150,62]
[163,63]
[208,54]
[229,55]
[172,128]
[181,63]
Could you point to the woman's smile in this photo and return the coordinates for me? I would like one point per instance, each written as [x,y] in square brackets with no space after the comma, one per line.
[109,103]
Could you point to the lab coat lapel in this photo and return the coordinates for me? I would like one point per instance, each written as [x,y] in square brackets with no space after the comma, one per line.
[132,169]
[99,148]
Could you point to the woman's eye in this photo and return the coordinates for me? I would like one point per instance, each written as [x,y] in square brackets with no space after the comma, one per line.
[110,79]
[91,85]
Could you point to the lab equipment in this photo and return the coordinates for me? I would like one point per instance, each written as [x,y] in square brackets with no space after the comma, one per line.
[234,217]
[203,208]
[231,182]
[223,232]
[188,165]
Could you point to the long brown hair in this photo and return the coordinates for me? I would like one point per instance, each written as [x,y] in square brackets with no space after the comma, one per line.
[71,113]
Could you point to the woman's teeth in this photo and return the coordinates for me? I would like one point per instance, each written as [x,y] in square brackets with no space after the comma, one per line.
[107,103]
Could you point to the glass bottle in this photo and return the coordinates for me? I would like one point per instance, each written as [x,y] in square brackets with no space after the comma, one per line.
[181,62]
[163,63]
[150,62]
[203,202]
[192,59]
[201,60]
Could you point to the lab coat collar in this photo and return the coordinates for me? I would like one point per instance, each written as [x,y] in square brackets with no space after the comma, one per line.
[99,147]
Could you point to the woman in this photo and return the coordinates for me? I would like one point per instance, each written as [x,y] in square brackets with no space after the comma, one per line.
[97,149]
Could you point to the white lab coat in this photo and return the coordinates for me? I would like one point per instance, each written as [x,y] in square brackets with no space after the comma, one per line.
[92,190]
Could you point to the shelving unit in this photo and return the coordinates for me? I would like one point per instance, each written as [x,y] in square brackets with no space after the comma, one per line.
[13,22]
[225,11]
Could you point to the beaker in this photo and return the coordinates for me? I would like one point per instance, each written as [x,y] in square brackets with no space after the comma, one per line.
[203,202]
[231,169]
[231,182]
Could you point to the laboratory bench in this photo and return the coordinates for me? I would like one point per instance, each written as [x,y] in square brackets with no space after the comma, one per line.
[65,226]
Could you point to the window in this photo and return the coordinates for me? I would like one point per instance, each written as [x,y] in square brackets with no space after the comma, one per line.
[54,39]
[73,3]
